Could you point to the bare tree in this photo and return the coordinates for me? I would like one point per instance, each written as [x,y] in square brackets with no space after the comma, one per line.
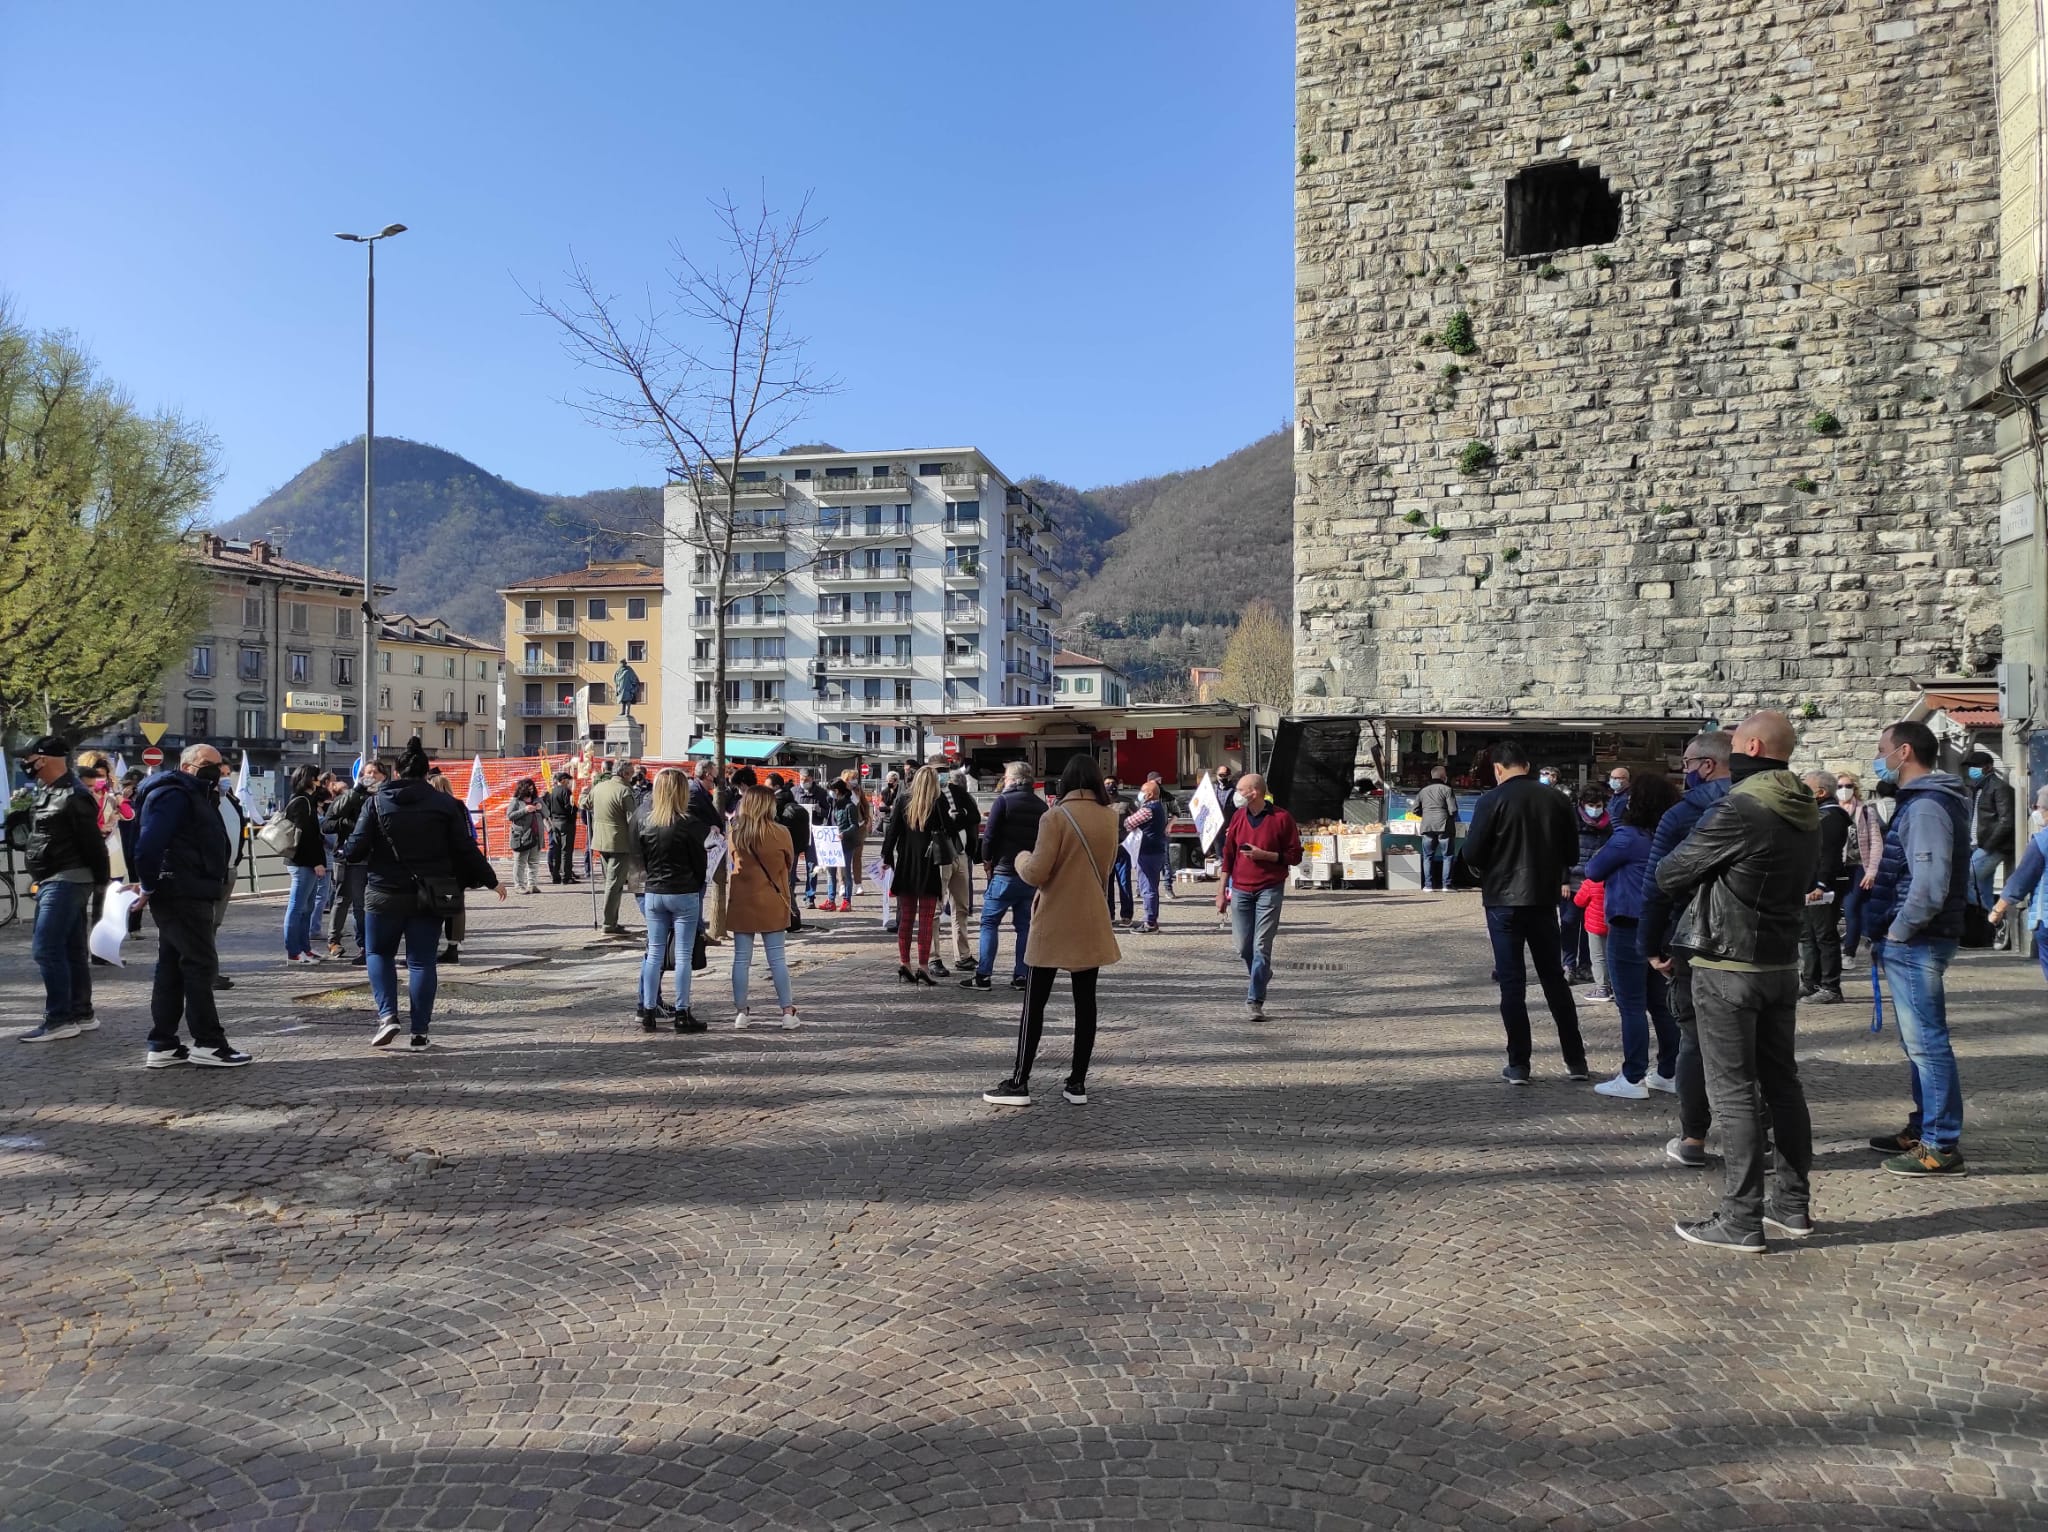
[709,379]
[1258,664]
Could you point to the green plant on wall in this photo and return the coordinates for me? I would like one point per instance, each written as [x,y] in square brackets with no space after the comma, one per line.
[1476,457]
[1438,533]
[1510,554]
[1308,158]
[1548,271]
[1562,31]
[1806,486]
[1458,336]
[1824,423]
[1413,518]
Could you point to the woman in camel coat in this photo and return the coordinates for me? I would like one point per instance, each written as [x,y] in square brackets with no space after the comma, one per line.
[1070,868]
[757,901]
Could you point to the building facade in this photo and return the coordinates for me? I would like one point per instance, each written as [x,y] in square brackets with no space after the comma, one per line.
[1631,351]
[866,589]
[565,638]
[1086,681]
[441,685]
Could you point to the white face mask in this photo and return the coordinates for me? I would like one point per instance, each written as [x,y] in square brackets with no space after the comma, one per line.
[1237,800]
[1846,794]
[1616,785]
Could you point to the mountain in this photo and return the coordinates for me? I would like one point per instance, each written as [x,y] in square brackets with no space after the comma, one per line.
[1165,564]
[1160,567]
[448,533]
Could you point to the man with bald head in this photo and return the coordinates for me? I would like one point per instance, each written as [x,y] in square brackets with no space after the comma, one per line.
[1259,844]
[1746,871]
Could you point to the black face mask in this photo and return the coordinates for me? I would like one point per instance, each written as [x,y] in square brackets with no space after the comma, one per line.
[208,775]
[1741,767]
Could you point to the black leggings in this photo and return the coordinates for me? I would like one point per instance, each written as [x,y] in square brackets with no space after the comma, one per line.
[1033,1023]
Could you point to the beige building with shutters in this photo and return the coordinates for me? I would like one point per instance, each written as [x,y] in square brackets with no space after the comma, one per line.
[565,636]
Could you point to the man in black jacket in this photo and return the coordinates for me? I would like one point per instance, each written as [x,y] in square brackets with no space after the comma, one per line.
[185,866]
[1820,942]
[1521,846]
[1012,827]
[1747,870]
[561,811]
[1993,814]
[67,857]
[340,822]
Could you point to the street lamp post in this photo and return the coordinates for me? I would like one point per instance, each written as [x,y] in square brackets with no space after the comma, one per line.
[368,680]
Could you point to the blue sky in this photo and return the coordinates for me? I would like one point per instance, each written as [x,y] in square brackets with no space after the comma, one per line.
[1060,231]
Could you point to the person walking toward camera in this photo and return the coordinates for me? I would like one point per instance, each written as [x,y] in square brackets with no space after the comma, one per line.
[1069,867]
[763,859]
[1746,870]
[67,858]
[185,866]
[1259,845]
[420,853]
[1916,908]
[671,841]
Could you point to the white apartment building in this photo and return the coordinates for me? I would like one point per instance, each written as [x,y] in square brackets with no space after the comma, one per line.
[896,584]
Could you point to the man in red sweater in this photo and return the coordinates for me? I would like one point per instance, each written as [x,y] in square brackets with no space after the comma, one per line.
[1259,844]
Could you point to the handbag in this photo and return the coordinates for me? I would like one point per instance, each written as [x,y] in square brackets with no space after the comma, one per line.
[280,833]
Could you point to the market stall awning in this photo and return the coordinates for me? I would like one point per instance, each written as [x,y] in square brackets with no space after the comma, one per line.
[1056,717]
[740,747]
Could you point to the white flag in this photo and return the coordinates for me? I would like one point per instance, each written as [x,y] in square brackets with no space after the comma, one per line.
[477,790]
[1209,813]
[244,794]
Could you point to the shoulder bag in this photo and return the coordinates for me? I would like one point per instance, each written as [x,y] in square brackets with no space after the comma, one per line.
[433,893]
[1100,876]
[280,832]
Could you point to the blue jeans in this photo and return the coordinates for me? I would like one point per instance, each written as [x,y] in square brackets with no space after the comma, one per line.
[1120,884]
[1984,877]
[1006,894]
[839,883]
[2041,948]
[1254,921]
[1640,994]
[743,958]
[1151,873]
[58,946]
[300,910]
[1534,926]
[668,915]
[1436,850]
[1914,972]
[422,936]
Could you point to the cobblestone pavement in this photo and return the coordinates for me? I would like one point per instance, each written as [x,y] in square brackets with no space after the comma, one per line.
[1323,1273]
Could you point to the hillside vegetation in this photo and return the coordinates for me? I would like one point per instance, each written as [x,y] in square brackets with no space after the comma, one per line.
[1160,567]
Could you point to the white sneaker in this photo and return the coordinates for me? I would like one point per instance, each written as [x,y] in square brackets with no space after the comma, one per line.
[790,1020]
[1621,1086]
[741,1021]
[1255,1010]
[1668,1084]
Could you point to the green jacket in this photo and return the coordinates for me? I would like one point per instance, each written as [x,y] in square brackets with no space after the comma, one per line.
[611,817]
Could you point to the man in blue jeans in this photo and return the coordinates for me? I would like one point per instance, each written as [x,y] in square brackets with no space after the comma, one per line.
[1917,902]
[68,859]
[1260,843]
[1521,846]
[1012,827]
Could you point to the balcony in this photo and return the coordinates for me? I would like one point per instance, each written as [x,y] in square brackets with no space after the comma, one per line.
[748,662]
[759,526]
[834,486]
[966,570]
[845,704]
[860,618]
[850,574]
[1049,603]
[543,667]
[971,659]
[964,526]
[457,716]
[865,662]
[965,616]
[548,625]
[752,707]
[956,479]
[1028,631]
[739,619]
[547,710]
[1028,669]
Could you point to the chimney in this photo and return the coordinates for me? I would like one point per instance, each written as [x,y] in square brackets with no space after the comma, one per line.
[259,550]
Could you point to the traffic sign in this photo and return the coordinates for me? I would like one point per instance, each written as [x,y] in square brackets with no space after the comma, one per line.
[951,749]
[153,731]
[152,757]
[314,702]
[313,723]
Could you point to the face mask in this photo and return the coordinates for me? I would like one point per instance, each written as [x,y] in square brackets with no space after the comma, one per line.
[1591,812]
[1547,780]
[1616,785]
[1883,767]
[1237,800]
[208,775]
[1693,778]
[1976,773]
[1845,794]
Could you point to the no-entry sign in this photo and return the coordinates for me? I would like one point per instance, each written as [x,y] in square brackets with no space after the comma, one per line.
[152,756]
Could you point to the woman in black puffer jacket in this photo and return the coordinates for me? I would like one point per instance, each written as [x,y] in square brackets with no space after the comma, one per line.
[416,842]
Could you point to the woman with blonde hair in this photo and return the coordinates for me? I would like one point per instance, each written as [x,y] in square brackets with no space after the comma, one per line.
[917,847]
[763,858]
[671,845]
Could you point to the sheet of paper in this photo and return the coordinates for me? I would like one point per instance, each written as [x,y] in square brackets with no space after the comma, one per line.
[111,929]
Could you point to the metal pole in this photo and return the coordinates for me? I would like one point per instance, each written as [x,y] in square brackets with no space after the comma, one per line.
[368,679]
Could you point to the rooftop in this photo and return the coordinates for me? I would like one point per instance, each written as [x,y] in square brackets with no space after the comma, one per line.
[428,630]
[606,574]
[262,558]
[1069,659]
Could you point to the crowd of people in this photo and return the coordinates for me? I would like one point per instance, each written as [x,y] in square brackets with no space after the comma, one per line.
[1705,913]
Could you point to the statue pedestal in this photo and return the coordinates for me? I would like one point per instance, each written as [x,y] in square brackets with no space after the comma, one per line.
[625,738]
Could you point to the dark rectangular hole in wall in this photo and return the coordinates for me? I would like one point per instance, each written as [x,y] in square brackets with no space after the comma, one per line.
[1560,207]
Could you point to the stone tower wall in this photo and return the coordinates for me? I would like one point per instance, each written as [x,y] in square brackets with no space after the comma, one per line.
[1809,227]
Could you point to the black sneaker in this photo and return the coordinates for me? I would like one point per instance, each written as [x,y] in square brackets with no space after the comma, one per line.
[940,970]
[1514,1074]
[1580,1075]
[976,981]
[164,1058]
[1827,997]
[1691,1156]
[1009,1093]
[450,954]
[1900,1142]
[1020,984]
[222,981]
[360,960]
[1792,1225]
[649,1019]
[420,1040]
[1717,1235]
[223,1057]
[685,1022]
[386,1030]
[1077,1094]
[1808,991]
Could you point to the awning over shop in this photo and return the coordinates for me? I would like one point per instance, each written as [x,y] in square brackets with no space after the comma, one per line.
[740,747]
[1058,717]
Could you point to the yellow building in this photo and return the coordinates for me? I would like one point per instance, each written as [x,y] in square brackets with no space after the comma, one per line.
[565,637]
[439,684]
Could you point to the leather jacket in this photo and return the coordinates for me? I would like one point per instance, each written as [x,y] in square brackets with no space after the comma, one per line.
[64,831]
[1752,859]
[1522,844]
[673,854]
